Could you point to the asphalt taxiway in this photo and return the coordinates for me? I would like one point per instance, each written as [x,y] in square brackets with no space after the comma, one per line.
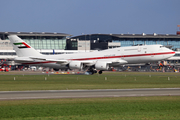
[54,94]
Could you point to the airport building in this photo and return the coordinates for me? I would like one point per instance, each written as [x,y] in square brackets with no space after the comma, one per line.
[59,43]
[106,41]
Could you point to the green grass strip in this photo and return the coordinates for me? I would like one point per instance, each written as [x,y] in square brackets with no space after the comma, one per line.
[105,81]
[127,108]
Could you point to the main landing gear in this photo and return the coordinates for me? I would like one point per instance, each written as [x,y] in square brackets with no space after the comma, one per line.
[100,72]
[91,72]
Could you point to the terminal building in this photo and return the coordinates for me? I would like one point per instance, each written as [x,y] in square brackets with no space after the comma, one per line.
[106,41]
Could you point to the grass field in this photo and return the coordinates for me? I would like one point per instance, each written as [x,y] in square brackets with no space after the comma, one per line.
[113,80]
[123,108]
[126,108]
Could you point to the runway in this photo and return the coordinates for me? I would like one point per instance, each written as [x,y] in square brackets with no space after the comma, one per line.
[54,94]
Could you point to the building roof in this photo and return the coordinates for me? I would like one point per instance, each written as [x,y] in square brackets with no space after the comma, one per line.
[143,35]
[33,34]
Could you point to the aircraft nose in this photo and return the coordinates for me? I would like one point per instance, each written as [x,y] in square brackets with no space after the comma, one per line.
[172,52]
[169,52]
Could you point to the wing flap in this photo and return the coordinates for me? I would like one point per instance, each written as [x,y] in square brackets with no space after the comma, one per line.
[112,61]
[53,60]
[120,61]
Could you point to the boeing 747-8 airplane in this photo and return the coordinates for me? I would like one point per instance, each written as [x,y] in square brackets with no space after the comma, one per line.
[90,61]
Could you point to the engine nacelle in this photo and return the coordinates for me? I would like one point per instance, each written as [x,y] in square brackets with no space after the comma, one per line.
[102,65]
[75,65]
[55,69]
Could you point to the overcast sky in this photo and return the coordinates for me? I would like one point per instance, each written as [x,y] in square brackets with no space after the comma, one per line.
[90,16]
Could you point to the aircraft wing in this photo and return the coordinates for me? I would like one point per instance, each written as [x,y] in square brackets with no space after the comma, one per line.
[120,61]
[60,61]
[113,61]
[86,62]
[53,60]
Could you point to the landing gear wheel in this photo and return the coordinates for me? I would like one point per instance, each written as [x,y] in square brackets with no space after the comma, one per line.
[100,72]
[91,72]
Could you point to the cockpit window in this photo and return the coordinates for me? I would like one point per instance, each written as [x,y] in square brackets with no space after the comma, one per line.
[162,46]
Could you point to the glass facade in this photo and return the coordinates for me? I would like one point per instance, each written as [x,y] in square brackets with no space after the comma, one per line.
[174,43]
[5,44]
[7,53]
[46,42]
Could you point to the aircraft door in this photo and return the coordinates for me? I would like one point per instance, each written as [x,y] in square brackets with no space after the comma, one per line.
[139,48]
[122,56]
[152,54]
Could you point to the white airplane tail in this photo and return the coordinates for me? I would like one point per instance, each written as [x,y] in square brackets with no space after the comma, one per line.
[22,48]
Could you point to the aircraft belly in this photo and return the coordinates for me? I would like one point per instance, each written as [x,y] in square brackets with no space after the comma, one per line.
[157,57]
[143,59]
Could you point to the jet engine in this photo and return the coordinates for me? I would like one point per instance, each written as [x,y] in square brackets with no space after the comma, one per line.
[75,65]
[55,69]
[102,65]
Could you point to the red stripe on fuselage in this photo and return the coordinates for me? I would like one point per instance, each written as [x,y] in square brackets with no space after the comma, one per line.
[39,62]
[108,57]
[137,55]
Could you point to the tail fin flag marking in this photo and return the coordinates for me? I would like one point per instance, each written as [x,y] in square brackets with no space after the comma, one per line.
[21,46]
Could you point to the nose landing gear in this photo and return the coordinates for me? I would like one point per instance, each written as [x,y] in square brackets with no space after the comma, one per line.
[91,72]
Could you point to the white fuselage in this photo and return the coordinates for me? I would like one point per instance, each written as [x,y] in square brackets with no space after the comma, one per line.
[123,55]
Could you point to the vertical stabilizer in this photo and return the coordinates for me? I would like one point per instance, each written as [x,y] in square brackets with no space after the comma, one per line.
[21,47]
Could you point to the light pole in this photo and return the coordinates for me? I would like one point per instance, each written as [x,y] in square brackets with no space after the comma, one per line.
[85,42]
